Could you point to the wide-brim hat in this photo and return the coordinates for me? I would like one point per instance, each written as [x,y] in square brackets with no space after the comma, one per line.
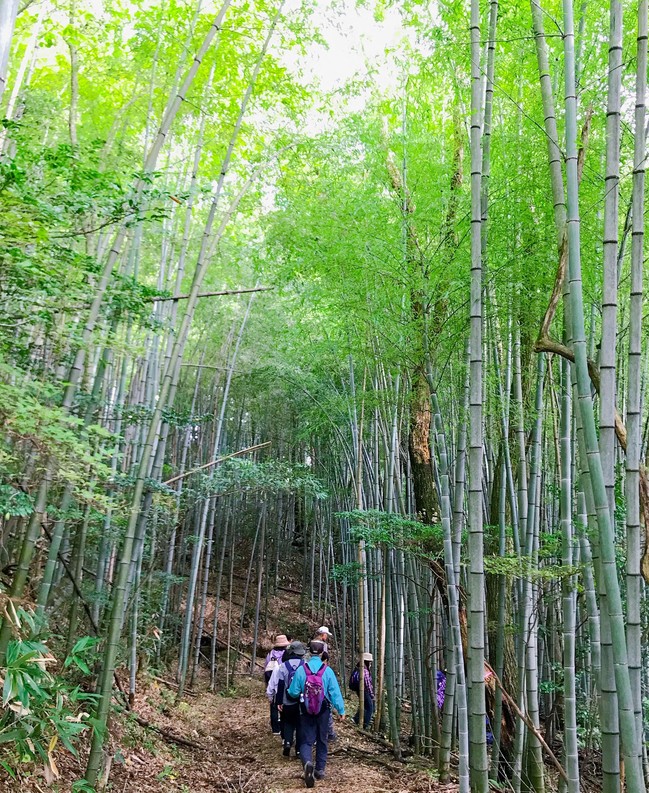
[325,630]
[297,648]
[281,641]
[367,657]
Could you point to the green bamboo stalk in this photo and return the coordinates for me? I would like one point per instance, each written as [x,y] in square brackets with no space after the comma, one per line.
[630,745]
[478,761]
[528,619]
[390,666]
[633,412]
[208,245]
[76,369]
[608,347]
[455,674]
[569,600]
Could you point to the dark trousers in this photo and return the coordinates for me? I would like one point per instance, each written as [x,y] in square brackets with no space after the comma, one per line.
[290,719]
[368,707]
[315,730]
[274,718]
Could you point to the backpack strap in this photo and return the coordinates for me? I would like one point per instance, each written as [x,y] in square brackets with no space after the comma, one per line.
[321,673]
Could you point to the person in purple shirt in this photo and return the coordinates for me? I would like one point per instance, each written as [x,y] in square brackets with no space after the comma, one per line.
[273,660]
[368,699]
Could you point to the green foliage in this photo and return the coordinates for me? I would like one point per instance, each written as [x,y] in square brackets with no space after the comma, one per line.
[41,708]
[525,567]
[82,654]
[273,476]
[14,502]
[379,528]
[81,786]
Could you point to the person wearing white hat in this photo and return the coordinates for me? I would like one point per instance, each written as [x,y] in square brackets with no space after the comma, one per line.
[323,634]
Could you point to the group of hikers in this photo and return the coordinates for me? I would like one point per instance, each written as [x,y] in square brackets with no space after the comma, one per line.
[303,691]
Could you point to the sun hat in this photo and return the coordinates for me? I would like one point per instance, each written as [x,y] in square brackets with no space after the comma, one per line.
[367,657]
[316,647]
[281,641]
[324,629]
[297,648]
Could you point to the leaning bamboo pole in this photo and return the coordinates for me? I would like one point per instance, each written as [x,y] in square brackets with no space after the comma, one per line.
[630,749]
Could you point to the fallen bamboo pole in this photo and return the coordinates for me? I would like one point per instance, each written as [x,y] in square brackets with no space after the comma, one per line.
[159,299]
[216,462]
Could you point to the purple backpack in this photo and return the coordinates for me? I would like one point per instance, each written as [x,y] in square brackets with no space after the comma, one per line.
[314,690]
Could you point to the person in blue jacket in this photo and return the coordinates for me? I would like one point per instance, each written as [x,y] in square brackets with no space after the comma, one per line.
[315,728]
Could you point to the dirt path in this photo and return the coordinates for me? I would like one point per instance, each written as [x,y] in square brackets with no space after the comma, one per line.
[241,755]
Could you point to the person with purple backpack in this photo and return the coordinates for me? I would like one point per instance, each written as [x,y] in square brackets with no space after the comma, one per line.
[323,634]
[315,685]
[277,691]
[272,662]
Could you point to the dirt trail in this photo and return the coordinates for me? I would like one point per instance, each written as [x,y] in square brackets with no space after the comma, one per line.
[241,755]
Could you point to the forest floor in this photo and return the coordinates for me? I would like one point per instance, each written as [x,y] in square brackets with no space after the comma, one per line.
[240,754]
[233,752]
[217,743]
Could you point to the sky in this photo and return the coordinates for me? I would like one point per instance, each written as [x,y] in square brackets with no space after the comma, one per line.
[355,39]
[357,44]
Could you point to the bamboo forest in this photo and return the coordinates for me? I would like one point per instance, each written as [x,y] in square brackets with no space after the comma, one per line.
[324,313]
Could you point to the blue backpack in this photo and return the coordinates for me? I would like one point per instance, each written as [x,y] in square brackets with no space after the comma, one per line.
[291,671]
[283,687]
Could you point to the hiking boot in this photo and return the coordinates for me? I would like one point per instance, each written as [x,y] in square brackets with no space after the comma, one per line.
[286,751]
[309,781]
[319,775]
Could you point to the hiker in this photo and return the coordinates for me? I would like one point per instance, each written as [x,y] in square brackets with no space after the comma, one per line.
[273,660]
[368,698]
[316,686]
[441,690]
[277,690]
[323,634]
[441,696]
